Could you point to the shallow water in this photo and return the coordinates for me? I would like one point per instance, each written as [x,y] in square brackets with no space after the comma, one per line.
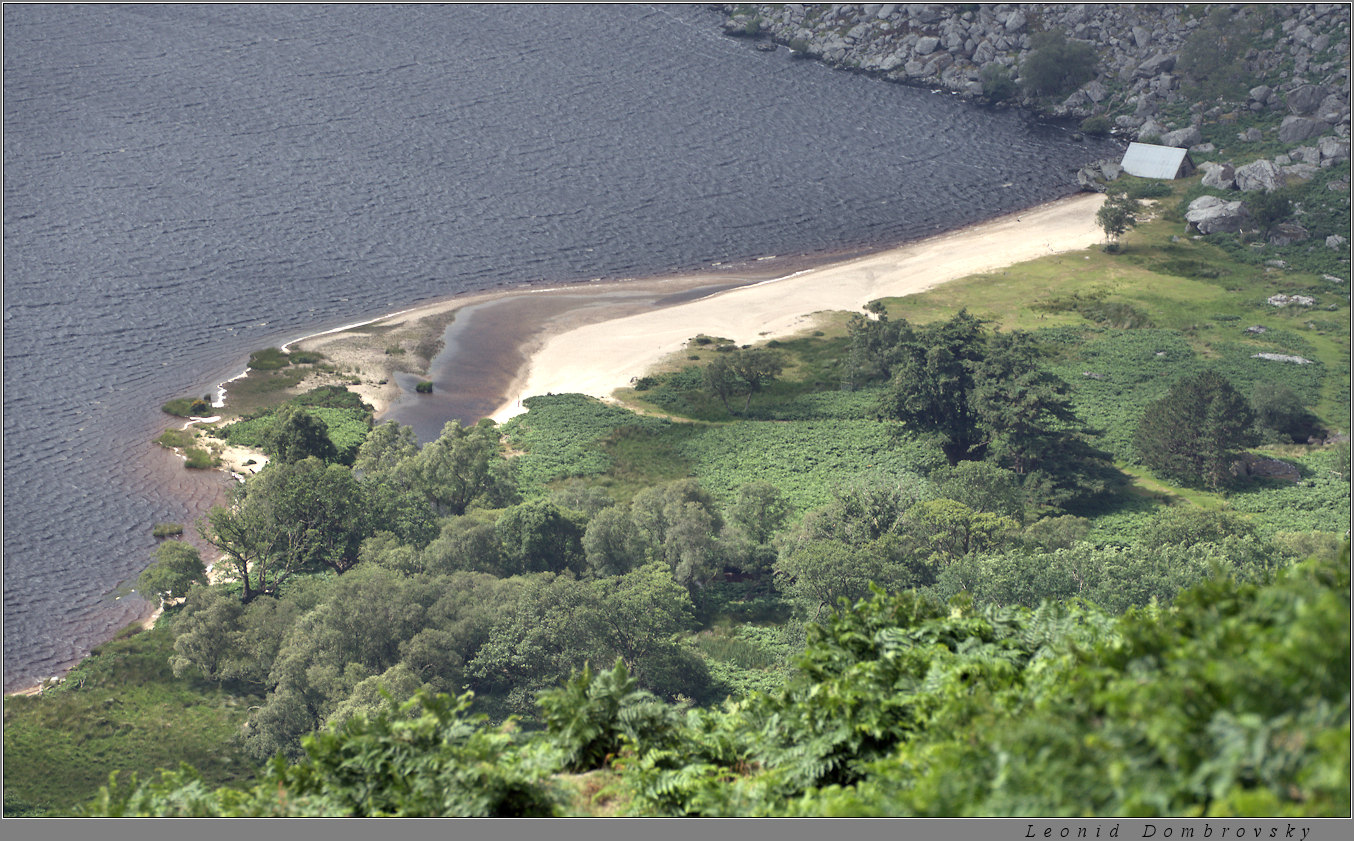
[184,184]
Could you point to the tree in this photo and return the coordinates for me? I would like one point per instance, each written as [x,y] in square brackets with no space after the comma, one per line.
[463,465]
[816,573]
[755,369]
[1117,215]
[177,567]
[744,372]
[933,381]
[1057,65]
[759,510]
[384,449]
[1195,432]
[1281,415]
[297,434]
[1268,209]
[537,537]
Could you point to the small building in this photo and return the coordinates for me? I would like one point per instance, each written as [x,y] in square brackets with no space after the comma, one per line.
[1147,160]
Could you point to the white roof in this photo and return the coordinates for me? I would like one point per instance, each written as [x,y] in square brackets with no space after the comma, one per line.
[1149,161]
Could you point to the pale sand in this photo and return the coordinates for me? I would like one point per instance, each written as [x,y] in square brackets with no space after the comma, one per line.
[596,359]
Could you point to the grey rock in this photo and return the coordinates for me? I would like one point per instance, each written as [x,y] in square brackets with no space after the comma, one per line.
[1141,37]
[984,53]
[1307,155]
[1335,241]
[1261,93]
[1282,300]
[1287,233]
[1159,63]
[1218,176]
[1182,138]
[1333,109]
[1296,129]
[1110,170]
[886,10]
[1299,172]
[1250,135]
[1015,21]
[1095,91]
[1257,329]
[1282,357]
[1210,214]
[927,45]
[1203,148]
[1260,175]
[1306,99]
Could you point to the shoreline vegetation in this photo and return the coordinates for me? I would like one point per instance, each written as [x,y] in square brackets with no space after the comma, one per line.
[599,349]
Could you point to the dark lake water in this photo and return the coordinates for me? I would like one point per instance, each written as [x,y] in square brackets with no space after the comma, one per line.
[184,184]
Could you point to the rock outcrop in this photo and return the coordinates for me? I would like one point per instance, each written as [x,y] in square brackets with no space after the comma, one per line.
[1142,52]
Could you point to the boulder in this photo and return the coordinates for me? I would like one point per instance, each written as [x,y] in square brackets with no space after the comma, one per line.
[1298,172]
[1306,99]
[1250,135]
[1260,175]
[1287,233]
[1182,138]
[1210,214]
[1261,93]
[1015,21]
[1296,129]
[1306,155]
[1110,170]
[1282,357]
[927,45]
[1333,149]
[1336,241]
[1219,176]
[1159,63]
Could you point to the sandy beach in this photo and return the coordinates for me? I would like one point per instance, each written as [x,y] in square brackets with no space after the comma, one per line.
[594,338]
[599,358]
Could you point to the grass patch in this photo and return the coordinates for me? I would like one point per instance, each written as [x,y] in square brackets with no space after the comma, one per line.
[120,710]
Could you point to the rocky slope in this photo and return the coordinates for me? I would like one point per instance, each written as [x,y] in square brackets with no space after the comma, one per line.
[1297,55]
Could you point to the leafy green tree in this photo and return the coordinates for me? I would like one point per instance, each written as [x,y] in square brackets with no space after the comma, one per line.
[1281,415]
[320,512]
[744,372]
[678,523]
[177,567]
[611,543]
[537,537]
[384,449]
[760,510]
[755,369]
[816,574]
[1056,65]
[1195,432]
[943,530]
[254,550]
[297,434]
[984,487]
[1118,213]
[465,544]
[933,382]
[463,465]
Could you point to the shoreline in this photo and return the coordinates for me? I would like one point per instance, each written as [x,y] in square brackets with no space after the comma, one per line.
[617,333]
[599,345]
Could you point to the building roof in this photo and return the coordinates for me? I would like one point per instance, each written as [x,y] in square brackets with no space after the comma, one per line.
[1149,161]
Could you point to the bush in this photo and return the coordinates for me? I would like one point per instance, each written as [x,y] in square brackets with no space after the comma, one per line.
[1097,126]
[198,458]
[166,529]
[1057,65]
[268,359]
[424,387]
[997,83]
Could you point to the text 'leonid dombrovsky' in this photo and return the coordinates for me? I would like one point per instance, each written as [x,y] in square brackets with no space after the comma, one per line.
[1151,830]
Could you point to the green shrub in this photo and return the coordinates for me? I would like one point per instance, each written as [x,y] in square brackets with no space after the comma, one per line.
[1057,65]
[424,387]
[997,83]
[268,359]
[1097,126]
[198,458]
[166,529]
[305,357]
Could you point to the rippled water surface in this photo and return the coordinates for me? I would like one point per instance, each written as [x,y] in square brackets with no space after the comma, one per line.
[183,184]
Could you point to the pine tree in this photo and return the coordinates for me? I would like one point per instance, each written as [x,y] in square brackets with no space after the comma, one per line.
[1196,431]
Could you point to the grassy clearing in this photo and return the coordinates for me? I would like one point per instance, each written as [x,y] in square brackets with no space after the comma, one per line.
[122,710]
